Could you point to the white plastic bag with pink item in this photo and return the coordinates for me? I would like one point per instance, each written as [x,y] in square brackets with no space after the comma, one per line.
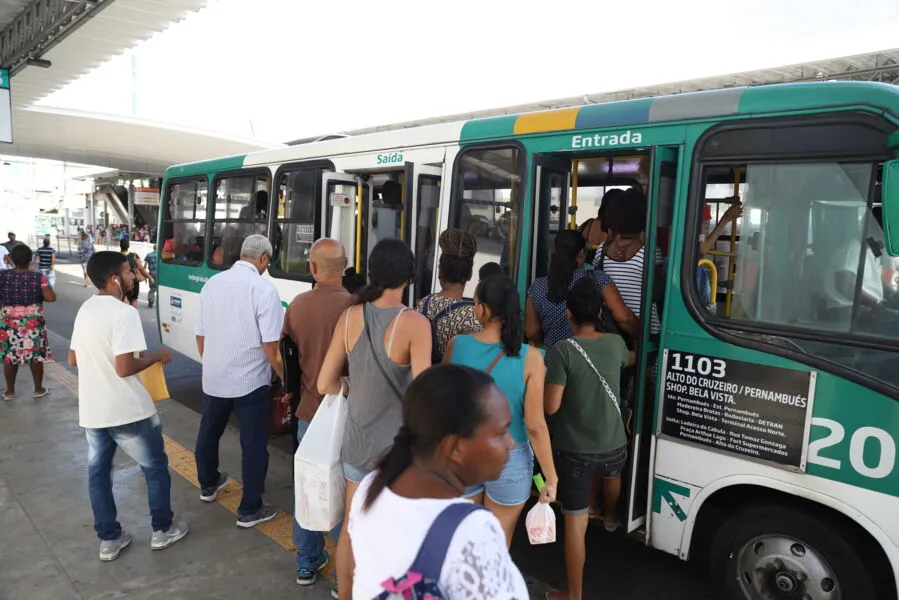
[541,524]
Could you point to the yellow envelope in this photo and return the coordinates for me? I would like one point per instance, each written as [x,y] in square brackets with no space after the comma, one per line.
[153,379]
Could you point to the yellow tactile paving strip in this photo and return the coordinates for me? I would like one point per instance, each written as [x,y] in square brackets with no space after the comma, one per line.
[181,461]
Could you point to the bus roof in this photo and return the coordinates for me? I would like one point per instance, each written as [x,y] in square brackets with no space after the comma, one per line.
[729,102]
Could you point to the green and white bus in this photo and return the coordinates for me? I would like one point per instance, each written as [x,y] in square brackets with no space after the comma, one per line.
[764,437]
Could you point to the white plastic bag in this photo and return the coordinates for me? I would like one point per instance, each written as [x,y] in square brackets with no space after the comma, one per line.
[319,486]
[541,524]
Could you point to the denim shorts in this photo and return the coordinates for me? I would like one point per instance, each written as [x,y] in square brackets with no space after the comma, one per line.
[576,473]
[514,484]
[353,473]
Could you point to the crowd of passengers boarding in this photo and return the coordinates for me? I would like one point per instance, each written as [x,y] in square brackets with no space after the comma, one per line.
[447,408]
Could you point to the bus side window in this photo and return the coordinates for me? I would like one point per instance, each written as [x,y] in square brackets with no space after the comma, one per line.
[240,208]
[184,224]
[295,226]
[487,203]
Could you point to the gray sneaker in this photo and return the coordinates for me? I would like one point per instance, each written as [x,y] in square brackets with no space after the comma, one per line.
[163,539]
[110,549]
[266,513]
[209,494]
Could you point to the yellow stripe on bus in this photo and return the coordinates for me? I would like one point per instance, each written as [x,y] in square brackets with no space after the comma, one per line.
[554,120]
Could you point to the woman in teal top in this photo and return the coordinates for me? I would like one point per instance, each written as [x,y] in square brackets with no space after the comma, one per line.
[518,371]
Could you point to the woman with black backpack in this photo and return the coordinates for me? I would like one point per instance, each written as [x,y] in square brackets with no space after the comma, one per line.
[449,313]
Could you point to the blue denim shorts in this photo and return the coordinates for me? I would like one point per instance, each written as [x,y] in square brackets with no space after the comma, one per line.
[353,473]
[514,484]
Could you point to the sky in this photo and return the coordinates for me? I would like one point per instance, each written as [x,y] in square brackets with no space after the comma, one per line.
[284,69]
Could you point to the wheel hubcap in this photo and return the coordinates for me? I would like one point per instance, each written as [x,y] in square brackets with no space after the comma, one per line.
[775,567]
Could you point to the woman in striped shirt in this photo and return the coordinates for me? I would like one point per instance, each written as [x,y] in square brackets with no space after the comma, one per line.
[622,256]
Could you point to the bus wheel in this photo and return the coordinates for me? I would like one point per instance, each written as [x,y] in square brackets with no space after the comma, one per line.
[775,553]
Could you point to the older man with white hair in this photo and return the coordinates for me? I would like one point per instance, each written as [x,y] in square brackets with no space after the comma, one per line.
[238,330]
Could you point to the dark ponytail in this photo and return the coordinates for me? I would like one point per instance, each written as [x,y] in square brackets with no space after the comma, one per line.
[500,295]
[563,263]
[444,400]
[390,265]
[397,460]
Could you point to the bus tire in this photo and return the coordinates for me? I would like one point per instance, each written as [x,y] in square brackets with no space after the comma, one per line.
[774,552]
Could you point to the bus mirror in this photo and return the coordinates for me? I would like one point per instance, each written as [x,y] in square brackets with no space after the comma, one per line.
[890,200]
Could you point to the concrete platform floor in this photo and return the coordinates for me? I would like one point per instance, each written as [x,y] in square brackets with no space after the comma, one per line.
[48,550]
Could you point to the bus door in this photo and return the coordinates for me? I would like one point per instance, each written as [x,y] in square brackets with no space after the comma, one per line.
[659,216]
[343,196]
[421,200]
[553,177]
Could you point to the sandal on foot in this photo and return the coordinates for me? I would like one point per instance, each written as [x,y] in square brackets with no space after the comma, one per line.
[36,395]
[8,396]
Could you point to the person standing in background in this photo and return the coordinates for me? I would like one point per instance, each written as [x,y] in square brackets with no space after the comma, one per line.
[310,321]
[5,262]
[238,330]
[22,296]
[150,261]
[12,243]
[46,261]
[85,251]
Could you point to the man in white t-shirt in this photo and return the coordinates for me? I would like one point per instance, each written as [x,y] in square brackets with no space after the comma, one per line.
[115,409]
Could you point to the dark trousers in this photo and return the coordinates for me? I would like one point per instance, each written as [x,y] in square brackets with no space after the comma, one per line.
[252,413]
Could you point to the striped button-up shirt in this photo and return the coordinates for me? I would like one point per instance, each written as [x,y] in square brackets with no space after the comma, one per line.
[239,311]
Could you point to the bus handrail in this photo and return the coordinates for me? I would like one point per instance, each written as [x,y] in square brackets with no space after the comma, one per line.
[713,275]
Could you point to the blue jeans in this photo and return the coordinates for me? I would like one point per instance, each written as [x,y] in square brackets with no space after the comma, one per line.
[310,545]
[252,413]
[142,441]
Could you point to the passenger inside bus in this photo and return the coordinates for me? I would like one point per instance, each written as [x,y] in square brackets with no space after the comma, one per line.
[386,213]
[622,256]
[545,318]
[594,230]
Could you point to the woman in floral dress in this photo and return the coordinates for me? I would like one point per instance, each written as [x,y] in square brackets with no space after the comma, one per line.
[23,332]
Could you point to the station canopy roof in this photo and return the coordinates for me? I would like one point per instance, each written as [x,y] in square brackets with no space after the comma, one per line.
[123,143]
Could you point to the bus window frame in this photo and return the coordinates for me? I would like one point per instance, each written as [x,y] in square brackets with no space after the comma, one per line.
[164,208]
[728,330]
[458,188]
[210,209]
[321,165]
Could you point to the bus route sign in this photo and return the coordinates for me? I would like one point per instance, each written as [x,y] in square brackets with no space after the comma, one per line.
[757,411]
[5,108]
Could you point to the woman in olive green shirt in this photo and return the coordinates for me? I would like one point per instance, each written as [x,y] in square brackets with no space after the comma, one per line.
[581,390]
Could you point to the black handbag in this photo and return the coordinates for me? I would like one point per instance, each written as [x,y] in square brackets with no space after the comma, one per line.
[290,356]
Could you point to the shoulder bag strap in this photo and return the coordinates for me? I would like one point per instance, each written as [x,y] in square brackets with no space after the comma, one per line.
[602,379]
[495,360]
[432,553]
[381,368]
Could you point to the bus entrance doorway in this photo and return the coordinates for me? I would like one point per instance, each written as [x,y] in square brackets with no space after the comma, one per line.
[570,193]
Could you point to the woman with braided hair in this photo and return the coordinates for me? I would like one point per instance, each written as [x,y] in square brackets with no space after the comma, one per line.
[449,313]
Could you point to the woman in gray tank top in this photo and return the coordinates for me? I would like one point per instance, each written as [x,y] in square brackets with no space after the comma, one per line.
[385,345]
